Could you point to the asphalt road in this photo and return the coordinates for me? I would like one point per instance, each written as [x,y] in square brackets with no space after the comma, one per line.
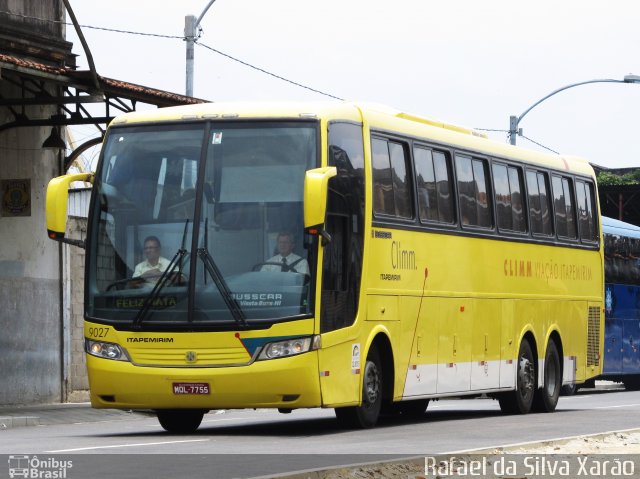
[262,443]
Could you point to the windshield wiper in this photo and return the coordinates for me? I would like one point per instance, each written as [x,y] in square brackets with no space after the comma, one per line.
[218,279]
[165,277]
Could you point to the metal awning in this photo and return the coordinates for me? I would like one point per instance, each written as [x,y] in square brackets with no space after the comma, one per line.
[621,202]
[76,90]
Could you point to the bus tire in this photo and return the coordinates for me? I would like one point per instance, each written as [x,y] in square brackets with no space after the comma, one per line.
[366,415]
[521,400]
[632,382]
[180,421]
[569,389]
[546,398]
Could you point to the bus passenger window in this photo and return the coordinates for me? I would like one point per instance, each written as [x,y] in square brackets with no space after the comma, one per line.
[539,203]
[585,204]
[517,206]
[391,184]
[382,188]
[563,204]
[434,187]
[401,182]
[473,192]
[508,193]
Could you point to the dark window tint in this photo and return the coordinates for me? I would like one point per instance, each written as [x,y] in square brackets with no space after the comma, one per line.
[342,258]
[563,205]
[539,215]
[473,192]
[517,201]
[391,185]
[434,186]
[507,182]
[621,263]
[401,183]
[382,188]
[586,207]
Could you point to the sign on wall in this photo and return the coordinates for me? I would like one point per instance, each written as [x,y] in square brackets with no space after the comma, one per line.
[16,197]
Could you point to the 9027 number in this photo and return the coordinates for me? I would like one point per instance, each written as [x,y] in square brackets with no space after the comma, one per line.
[98,332]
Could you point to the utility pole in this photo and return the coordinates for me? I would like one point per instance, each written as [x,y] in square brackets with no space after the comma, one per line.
[191,24]
[190,38]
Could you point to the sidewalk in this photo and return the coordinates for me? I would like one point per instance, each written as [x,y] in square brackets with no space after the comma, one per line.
[64,413]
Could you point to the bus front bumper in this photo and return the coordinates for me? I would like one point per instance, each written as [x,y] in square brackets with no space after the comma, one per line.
[291,382]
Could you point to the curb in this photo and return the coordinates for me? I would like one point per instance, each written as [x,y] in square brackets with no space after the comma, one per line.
[10,422]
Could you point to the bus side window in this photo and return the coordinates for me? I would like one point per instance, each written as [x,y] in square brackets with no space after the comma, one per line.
[383,202]
[391,183]
[507,182]
[435,201]
[539,203]
[563,205]
[473,192]
[585,205]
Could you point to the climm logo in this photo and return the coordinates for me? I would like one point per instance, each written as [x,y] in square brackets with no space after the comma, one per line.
[514,267]
[402,258]
[547,270]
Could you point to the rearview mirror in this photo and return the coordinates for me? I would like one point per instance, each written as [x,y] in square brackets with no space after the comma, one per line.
[316,186]
[56,206]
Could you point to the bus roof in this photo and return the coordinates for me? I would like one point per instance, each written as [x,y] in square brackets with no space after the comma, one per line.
[377,116]
[617,227]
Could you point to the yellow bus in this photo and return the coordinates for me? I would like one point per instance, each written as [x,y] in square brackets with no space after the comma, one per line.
[335,255]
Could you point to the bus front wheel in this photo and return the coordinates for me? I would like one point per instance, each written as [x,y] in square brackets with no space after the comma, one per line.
[365,415]
[180,421]
[521,400]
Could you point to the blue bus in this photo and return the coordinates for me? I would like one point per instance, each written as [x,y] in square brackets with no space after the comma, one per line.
[622,303]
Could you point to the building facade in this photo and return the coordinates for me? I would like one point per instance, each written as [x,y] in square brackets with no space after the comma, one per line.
[41,281]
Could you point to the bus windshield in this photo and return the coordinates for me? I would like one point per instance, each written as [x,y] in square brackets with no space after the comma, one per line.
[201,225]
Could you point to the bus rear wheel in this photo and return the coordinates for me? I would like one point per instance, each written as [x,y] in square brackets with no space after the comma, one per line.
[365,415]
[546,398]
[180,421]
[521,400]
[632,382]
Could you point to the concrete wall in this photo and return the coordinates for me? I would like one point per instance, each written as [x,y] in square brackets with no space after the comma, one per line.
[31,320]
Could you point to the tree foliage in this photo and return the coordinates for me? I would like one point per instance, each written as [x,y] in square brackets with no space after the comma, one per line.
[607,178]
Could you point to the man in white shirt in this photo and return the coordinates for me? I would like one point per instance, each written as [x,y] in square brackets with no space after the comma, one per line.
[154,265]
[286,259]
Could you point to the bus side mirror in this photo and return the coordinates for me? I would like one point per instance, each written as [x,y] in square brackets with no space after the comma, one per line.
[316,186]
[56,206]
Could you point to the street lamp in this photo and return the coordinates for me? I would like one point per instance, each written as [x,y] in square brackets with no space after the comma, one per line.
[514,121]
[190,26]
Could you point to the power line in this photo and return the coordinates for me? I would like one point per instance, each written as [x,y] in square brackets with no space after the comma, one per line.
[129,32]
[490,129]
[540,145]
[268,72]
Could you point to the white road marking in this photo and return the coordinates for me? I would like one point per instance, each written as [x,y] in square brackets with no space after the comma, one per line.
[618,405]
[125,445]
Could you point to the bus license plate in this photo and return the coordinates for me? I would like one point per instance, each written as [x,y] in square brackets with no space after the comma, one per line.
[191,388]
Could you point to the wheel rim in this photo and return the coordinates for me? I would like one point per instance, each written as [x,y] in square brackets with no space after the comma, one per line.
[526,376]
[371,384]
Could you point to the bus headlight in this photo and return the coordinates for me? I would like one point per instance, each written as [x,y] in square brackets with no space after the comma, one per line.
[104,350]
[289,347]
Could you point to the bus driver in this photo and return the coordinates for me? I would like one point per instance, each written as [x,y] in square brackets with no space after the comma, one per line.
[286,259]
[151,268]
